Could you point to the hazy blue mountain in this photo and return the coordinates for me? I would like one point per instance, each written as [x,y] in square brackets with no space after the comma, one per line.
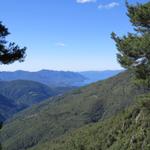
[48,77]
[93,76]
[59,78]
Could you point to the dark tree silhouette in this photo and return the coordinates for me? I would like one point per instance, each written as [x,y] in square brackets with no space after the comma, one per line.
[9,52]
[134,49]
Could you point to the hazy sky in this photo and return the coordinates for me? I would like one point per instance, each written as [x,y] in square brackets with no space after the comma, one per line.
[65,34]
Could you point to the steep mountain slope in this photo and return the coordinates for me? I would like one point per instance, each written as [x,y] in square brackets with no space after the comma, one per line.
[52,119]
[25,92]
[129,130]
[48,77]
[7,107]
[19,94]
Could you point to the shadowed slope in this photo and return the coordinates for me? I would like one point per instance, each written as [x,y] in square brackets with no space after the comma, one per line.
[20,94]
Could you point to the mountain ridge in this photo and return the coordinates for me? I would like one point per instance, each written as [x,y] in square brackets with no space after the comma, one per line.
[48,77]
[54,78]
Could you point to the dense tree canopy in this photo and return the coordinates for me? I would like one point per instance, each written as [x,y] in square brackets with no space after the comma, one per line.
[134,49]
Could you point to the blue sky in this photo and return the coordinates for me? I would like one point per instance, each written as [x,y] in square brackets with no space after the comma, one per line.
[65,34]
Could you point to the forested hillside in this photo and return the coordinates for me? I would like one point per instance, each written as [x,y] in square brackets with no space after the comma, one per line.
[56,117]
[129,130]
[19,94]
[7,108]
[25,92]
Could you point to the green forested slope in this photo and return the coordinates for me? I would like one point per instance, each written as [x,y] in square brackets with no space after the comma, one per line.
[129,130]
[7,107]
[25,92]
[52,119]
[20,94]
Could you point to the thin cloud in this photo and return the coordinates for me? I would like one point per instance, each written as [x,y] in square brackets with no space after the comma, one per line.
[60,44]
[108,6]
[85,1]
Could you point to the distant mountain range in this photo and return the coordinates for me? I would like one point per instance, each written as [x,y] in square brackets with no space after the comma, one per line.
[59,78]
[48,77]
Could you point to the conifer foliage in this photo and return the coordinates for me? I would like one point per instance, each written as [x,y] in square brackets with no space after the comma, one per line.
[134,48]
[9,52]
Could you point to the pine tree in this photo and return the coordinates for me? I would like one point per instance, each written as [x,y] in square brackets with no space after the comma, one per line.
[9,52]
[134,48]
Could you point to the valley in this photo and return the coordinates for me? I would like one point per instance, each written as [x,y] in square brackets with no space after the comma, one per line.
[17,95]
[58,116]
[20,89]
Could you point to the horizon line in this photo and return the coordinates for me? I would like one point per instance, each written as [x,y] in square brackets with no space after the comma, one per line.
[64,70]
